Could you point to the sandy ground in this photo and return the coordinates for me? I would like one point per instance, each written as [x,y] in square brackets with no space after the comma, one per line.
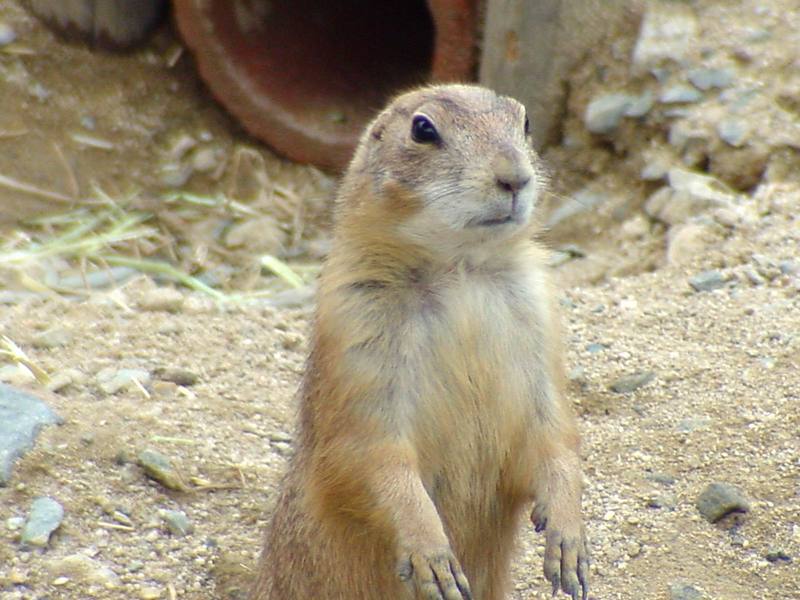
[721,406]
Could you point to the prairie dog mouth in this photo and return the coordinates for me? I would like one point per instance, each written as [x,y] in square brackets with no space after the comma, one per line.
[496,221]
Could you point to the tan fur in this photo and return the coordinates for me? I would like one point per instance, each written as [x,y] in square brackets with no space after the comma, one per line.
[432,410]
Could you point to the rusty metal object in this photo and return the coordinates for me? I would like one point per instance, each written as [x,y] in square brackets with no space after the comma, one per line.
[305,76]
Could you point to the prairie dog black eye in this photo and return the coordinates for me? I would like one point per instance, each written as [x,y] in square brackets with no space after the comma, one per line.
[423,131]
[527,126]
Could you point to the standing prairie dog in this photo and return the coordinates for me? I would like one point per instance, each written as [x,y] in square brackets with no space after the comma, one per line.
[432,410]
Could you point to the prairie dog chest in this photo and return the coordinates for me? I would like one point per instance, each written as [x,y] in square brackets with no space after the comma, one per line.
[479,346]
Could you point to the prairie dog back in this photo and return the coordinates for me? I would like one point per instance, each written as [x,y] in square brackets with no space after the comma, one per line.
[432,411]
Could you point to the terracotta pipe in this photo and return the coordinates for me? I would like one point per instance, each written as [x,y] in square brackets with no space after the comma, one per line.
[305,76]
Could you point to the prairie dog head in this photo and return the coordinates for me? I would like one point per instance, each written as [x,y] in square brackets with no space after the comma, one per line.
[452,166]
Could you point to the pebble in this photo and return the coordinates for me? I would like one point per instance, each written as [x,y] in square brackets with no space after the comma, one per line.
[177,522]
[680,94]
[44,518]
[111,380]
[604,113]
[159,468]
[684,591]
[7,34]
[632,382]
[733,132]
[54,337]
[662,500]
[580,202]
[150,593]
[720,499]
[17,374]
[690,424]
[15,523]
[662,478]
[22,415]
[777,555]
[707,281]
[83,569]
[65,378]
[687,241]
[705,79]
[164,299]
[667,32]
[176,375]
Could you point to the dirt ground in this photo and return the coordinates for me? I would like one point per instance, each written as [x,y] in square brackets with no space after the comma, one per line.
[721,405]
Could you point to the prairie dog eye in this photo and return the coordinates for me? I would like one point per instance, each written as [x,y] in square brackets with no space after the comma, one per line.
[423,131]
[527,126]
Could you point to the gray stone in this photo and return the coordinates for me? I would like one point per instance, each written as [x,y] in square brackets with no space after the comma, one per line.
[666,34]
[83,569]
[22,416]
[176,375]
[684,591]
[603,114]
[632,382]
[720,499]
[707,281]
[789,267]
[689,194]
[159,468]
[54,337]
[777,555]
[662,478]
[680,94]
[733,132]
[44,518]
[640,105]
[112,380]
[162,299]
[662,500]
[705,79]
[7,34]
[177,522]
[580,202]
[690,424]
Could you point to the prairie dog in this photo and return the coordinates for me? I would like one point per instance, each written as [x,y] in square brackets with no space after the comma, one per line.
[432,413]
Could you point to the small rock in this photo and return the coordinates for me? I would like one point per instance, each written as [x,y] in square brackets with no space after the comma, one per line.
[177,522]
[15,523]
[162,299]
[680,94]
[176,375]
[83,569]
[22,415]
[205,160]
[65,378]
[17,374]
[687,241]
[174,175]
[777,555]
[17,577]
[150,593]
[54,337]
[707,281]
[595,347]
[690,424]
[667,33]
[580,202]
[7,34]
[720,499]
[44,518]
[662,500]
[604,113]
[629,383]
[684,591]
[111,380]
[662,478]
[705,79]
[733,131]
[159,468]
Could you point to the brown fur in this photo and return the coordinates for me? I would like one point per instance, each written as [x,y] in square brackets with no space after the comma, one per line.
[432,410]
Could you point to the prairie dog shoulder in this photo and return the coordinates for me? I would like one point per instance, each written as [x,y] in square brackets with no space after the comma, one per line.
[432,410]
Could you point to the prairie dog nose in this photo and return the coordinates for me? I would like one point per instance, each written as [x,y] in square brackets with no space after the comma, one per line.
[511,170]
